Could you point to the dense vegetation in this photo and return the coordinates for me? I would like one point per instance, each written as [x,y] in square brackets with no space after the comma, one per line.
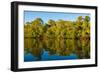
[58,37]
[58,29]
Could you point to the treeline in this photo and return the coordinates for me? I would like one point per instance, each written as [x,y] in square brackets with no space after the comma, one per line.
[58,29]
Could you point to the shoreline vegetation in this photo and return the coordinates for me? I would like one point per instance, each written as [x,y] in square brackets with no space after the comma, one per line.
[58,29]
[58,37]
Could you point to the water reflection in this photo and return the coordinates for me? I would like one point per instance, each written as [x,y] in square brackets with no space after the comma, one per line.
[55,49]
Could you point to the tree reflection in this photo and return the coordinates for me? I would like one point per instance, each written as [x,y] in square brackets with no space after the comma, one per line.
[60,37]
[57,46]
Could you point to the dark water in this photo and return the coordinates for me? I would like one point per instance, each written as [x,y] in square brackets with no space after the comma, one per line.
[55,49]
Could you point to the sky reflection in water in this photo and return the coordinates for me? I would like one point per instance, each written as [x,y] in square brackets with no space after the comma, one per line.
[55,49]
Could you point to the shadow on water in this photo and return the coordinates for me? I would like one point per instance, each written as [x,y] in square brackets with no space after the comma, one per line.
[55,49]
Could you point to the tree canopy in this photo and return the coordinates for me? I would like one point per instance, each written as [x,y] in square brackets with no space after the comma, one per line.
[58,29]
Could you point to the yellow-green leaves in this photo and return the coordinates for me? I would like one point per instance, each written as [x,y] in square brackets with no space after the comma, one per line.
[58,29]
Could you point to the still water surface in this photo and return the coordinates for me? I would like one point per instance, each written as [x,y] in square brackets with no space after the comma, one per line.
[55,49]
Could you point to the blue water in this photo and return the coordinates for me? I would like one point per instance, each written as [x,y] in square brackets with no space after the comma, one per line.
[45,56]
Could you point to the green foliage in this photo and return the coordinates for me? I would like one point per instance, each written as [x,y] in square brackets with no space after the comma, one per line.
[59,37]
[87,18]
[58,29]
[51,22]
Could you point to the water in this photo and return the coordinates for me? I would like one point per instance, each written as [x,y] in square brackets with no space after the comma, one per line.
[55,49]
[45,56]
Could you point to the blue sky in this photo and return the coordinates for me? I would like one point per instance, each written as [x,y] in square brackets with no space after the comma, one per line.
[45,16]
